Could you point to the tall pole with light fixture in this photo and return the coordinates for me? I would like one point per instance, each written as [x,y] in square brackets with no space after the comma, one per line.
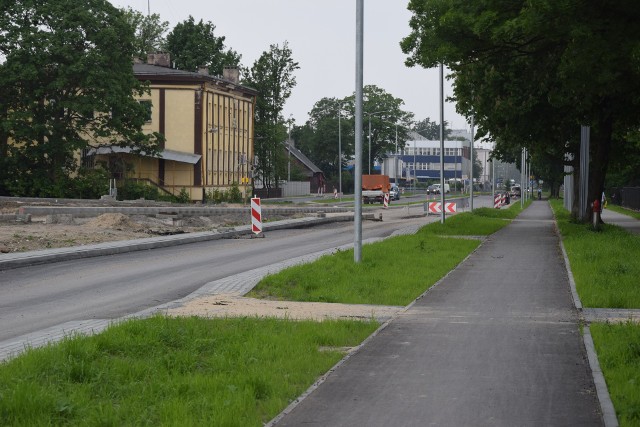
[340,152]
[357,219]
[369,164]
[372,114]
[471,173]
[442,189]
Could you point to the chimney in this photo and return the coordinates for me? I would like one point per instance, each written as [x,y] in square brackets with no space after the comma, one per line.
[203,70]
[231,74]
[159,59]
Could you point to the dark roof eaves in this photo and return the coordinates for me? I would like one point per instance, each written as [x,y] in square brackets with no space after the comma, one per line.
[172,74]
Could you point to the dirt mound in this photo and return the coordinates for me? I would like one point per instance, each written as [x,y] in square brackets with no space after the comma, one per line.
[117,221]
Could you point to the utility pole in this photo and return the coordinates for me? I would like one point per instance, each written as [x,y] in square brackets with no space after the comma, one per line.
[442,190]
[471,174]
[357,246]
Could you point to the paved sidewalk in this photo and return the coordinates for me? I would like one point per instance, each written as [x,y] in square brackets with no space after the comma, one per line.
[625,221]
[495,343]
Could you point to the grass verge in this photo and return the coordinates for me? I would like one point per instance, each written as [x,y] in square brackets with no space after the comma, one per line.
[173,371]
[618,348]
[394,271]
[604,264]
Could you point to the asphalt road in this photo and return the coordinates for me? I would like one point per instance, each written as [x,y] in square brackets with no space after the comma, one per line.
[37,297]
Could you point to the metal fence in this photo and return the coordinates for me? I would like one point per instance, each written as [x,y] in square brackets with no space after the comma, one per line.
[628,197]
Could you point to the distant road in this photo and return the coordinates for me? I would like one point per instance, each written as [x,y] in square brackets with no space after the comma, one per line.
[37,297]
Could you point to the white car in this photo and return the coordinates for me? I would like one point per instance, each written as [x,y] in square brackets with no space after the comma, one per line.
[394,193]
[436,188]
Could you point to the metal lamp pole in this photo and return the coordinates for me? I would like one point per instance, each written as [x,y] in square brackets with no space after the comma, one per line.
[357,218]
[369,165]
[442,142]
[471,174]
[340,152]
[372,114]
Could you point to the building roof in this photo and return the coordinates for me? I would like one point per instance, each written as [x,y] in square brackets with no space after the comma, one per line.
[302,158]
[176,156]
[158,73]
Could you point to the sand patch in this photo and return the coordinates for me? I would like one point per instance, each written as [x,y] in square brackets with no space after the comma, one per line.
[229,305]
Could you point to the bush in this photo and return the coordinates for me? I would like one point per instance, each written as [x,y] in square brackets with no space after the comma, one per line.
[234,195]
[183,196]
[132,190]
[88,184]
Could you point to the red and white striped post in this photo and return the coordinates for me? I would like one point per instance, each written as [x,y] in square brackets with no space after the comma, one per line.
[496,201]
[386,200]
[256,215]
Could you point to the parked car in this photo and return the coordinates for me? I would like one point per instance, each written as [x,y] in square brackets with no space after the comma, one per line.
[394,193]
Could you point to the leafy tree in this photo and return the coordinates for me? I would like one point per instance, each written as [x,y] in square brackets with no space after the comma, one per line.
[319,139]
[384,112]
[149,32]
[67,84]
[194,45]
[272,76]
[625,159]
[532,72]
[431,130]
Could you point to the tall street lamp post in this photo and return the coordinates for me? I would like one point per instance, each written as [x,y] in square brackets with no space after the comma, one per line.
[340,151]
[372,114]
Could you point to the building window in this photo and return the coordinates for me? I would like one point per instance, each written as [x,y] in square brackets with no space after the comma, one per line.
[147,105]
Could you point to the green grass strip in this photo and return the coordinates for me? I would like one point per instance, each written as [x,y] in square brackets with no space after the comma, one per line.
[173,371]
[394,271]
[604,264]
[618,348]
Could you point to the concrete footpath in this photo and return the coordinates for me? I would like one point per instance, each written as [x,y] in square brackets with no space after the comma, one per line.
[494,343]
[627,222]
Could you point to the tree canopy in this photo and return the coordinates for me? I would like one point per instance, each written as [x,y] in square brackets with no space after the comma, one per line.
[193,45]
[532,72]
[149,31]
[431,130]
[332,118]
[67,84]
[385,113]
[272,75]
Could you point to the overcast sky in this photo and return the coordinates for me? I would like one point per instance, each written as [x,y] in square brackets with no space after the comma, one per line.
[321,35]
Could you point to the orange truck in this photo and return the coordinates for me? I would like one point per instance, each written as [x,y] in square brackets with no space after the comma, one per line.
[374,187]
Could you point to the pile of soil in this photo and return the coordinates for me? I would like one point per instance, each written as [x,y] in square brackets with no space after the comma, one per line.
[117,221]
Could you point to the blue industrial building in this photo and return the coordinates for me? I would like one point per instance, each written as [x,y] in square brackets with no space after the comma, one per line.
[420,159]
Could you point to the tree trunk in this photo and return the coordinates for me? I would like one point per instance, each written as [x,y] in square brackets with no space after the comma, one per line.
[599,152]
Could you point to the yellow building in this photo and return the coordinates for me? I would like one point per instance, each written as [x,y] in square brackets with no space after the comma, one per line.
[208,124]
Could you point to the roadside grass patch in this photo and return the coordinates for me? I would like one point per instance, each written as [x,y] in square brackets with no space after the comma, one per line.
[394,271]
[480,222]
[604,264]
[174,371]
[618,348]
